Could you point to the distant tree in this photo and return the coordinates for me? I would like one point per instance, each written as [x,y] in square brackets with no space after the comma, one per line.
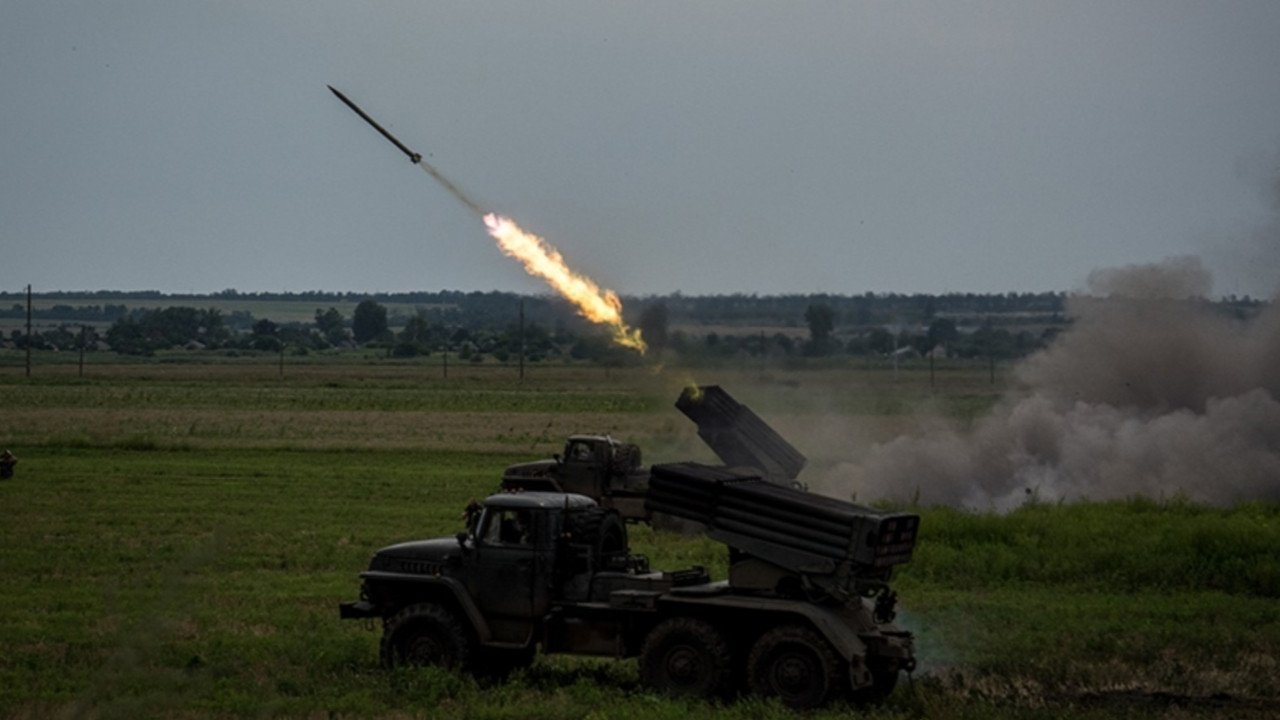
[821,319]
[265,327]
[880,341]
[942,331]
[264,336]
[785,342]
[328,320]
[147,331]
[414,339]
[369,321]
[330,326]
[653,327]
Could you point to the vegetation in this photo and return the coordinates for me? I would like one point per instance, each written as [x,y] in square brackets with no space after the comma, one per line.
[178,535]
[480,327]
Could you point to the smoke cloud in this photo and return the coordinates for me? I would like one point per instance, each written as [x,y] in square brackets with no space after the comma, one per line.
[1152,391]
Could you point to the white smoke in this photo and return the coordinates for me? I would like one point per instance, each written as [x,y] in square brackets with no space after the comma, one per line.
[1151,391]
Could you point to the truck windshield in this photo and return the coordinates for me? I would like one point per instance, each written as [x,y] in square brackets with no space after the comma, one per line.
[507,527]
[578,452]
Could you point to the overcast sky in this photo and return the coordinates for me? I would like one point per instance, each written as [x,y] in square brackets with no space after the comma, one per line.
[705,147]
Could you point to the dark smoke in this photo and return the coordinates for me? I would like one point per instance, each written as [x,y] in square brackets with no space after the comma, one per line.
[1152,391]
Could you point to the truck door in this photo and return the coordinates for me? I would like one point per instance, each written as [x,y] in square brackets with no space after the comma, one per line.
[508,574]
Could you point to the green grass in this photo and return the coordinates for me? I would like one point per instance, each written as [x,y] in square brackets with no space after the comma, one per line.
[156,563]
[1129,546]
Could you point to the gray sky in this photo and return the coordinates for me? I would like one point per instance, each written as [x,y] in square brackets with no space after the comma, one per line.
[705,147]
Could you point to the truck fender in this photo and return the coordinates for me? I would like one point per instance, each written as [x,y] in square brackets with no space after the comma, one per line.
[450,586]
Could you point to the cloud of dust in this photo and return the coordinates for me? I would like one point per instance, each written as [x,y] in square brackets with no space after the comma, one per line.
[1151,391]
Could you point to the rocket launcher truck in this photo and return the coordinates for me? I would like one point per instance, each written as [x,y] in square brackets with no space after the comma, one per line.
[805,614]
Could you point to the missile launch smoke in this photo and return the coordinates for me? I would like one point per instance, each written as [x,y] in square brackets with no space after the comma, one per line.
[1151,392]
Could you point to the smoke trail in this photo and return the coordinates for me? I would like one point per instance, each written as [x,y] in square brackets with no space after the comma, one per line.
[453,190]
[1150,392]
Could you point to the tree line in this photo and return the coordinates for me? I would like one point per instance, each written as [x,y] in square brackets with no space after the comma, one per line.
[475,326]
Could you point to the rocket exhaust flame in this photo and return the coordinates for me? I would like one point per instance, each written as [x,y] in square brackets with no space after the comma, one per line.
[539,258]
[542,260]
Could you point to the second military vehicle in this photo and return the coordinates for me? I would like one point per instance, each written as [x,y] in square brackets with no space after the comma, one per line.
[610,472]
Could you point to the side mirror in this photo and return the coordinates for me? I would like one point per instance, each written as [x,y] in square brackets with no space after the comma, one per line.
[556,457]
[462,540]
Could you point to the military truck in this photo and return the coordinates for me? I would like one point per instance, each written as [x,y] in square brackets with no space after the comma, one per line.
[805,614]
[596,466]
[610,472]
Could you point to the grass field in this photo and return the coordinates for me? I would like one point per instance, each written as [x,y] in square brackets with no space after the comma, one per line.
[178,535]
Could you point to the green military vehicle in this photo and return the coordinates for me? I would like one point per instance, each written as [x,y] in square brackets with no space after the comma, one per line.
[805,614]
[597,466]
[610,472]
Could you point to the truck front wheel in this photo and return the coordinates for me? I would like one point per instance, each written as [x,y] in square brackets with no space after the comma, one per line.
[795,665]
[687,657]
[425,634]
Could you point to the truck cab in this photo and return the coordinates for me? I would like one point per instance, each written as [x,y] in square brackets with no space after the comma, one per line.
[597,466]
[522,553]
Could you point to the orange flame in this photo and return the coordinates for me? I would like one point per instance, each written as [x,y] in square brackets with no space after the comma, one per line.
[542,260]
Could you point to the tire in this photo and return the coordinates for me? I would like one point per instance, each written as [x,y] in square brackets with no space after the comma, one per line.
[425,634]
[687,657]
[795,665]
[602,529]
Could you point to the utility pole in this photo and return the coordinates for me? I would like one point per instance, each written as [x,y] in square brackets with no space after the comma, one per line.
[521,339]
[991,350]
[282,360]
[895,355]
[84,329]
[28,329]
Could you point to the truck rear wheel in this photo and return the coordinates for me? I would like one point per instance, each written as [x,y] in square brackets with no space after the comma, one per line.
[425,634]
[687,657]
[795,665]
